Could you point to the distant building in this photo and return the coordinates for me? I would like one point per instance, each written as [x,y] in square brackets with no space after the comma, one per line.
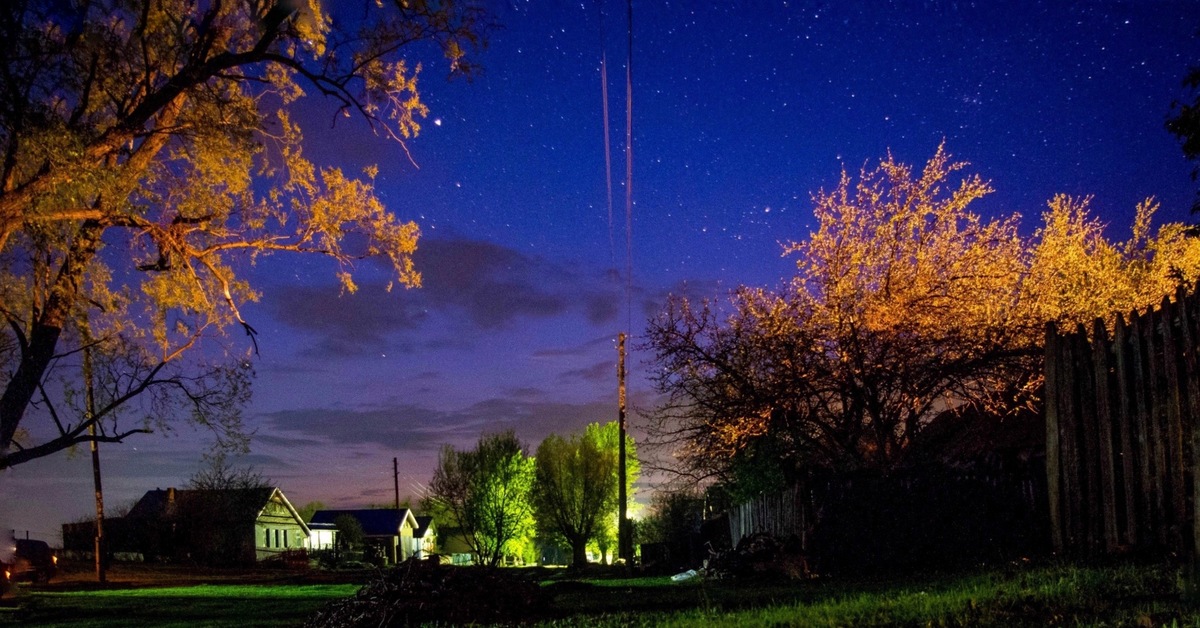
[425,538]
[388,531]
[210,527]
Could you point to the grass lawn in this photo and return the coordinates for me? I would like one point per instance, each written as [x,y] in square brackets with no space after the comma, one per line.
[1043,595]
[189,606]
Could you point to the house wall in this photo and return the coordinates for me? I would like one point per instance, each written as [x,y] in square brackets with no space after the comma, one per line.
[277,531]
[406,541]
[322,539]
[426,546]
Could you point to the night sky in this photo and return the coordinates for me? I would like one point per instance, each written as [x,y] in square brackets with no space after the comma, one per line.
[739,115]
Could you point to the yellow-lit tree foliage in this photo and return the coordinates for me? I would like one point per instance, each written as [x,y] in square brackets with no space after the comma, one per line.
[905,305]
[149,155]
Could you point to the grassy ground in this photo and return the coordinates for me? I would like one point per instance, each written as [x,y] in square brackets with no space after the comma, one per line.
[1031,596]
[181,607]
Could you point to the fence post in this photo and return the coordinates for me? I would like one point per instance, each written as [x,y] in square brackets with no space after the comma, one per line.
[1053,459]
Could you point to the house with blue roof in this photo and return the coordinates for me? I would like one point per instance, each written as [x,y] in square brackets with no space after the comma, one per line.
[389,530]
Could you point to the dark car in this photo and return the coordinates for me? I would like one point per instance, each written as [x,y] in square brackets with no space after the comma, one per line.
[32,560]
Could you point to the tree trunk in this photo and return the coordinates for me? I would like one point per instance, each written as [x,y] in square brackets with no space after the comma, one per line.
[39,348]
[579,554]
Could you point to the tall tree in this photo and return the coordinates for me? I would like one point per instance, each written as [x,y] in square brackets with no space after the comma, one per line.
[486,491]
[905,305]
[1184,124]
[608,436]
[147,151]
[575,488]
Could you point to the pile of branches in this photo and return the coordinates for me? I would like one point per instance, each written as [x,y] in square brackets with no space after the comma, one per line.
[759,555]
[417,592]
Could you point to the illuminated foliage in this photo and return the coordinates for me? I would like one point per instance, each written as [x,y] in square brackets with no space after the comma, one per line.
[576,488]
[149,156]
[486,492]
[609,435]
[905,305]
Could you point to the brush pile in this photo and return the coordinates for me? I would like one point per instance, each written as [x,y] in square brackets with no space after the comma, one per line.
[418,592]
[759,556]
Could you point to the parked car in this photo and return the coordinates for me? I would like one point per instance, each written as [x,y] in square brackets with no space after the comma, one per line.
[32,560]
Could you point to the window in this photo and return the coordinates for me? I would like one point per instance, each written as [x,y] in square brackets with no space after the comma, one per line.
[266,537]
[286,534]
[277,543]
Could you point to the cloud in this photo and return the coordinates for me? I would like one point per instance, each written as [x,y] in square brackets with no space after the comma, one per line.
[477,285]
[347,324]
[413,428]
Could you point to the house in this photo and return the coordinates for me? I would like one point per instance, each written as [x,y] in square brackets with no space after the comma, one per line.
[387,531]
[218,527]
[425,538]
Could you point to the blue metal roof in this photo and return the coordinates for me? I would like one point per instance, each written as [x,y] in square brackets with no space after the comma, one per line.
[374,521]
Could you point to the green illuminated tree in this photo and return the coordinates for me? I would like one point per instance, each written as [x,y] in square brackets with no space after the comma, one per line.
[486,492]
[576,486]
[148,153]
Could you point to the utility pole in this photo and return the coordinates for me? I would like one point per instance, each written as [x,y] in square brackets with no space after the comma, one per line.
[397,552]
[90,400]
[624,540]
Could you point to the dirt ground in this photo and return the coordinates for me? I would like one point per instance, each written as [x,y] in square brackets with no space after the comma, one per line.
[80,576]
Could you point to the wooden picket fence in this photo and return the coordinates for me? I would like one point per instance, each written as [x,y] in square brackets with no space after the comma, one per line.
[1120,449]
[856,522]
[784,514]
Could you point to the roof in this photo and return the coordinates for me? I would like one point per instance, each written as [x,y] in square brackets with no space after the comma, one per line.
[230,505]
[424,525]
[374,521]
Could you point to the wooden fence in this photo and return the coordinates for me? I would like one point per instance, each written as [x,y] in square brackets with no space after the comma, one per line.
[784,515]
[924,517]
[1120,449]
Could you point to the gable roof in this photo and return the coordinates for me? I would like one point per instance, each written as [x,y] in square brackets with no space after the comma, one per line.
[424,526]
[374,521]
[229,505]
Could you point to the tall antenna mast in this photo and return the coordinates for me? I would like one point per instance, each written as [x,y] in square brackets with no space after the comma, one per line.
[624,539]
[624,533]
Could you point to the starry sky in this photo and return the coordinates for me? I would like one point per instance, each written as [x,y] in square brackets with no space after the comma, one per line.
[740,112]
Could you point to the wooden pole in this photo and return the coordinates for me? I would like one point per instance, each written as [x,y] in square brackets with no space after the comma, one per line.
[624,541]
[90,399]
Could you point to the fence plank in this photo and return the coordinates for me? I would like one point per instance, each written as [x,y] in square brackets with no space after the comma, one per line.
[1090,454]
[1189,328]
[1147,416]
[1101,365]
[1172,406]
[1069,444]
[1053,456]
[1122,412]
